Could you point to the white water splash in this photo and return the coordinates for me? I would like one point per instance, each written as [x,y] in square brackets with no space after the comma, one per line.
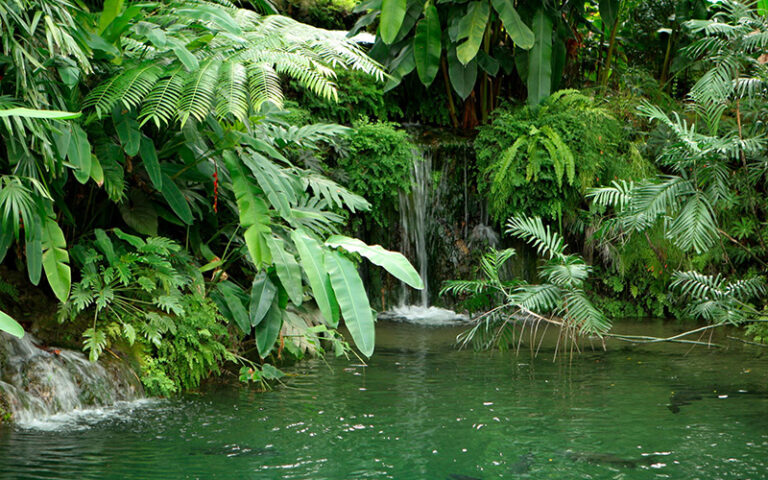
[38,383]
[425,316]
[85,418]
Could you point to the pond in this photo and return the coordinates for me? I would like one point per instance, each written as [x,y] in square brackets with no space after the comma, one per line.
[421,409]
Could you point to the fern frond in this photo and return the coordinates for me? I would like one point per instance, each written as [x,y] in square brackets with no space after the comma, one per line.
[538,298]
[695,227]
[533,231]
[580,312]
[199,92]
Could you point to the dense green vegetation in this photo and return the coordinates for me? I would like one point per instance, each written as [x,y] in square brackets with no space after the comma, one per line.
[197,179]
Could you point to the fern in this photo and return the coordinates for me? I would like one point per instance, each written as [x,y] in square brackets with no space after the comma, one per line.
[233,66]
[718,301]
[560,299]
[543,239]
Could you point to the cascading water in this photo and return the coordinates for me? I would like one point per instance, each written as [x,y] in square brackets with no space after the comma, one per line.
[37,383]
[416,222]
[413,219]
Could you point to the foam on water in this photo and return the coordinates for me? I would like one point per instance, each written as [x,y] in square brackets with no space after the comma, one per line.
[39,385]
[85,418]
[425,316]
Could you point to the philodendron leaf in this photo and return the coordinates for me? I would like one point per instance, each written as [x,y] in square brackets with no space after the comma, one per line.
[463,77]
[79,154]
[229,294]
[262,294]
[8,324]
[151,163]
[393,262]
[353,301]
[427,45]
[269,329]
[176,200]
[472,29]
[392,16]
[311,256]
[129,133]
[288,270]
[56,258]
[252,210]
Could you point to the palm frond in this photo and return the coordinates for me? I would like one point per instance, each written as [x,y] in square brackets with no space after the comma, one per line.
[533,231]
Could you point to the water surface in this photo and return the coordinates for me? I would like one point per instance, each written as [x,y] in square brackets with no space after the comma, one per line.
[422,410]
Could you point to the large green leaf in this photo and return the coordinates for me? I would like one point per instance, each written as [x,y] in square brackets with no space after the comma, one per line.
[234,305]
[472,29]
[427,46]
[254,215]
[139,213]
[393,262]
[609,12]
[176,200]
[268,330]
[32,113]
[129,133]
[79,154]
[273,183]
[110,11]
[288,270]
[392,15]
[412,13]
[8,324]
[311,256]
[463,77]
[403,64]
[34,249]
[353,300]
[97,173]
[105,245]
[540,59]
[151,163]
[762,7]
[517,30]
[56,258]
[263,293]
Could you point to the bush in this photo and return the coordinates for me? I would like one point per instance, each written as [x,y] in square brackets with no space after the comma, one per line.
[539,161]
[377,165]
[148,295]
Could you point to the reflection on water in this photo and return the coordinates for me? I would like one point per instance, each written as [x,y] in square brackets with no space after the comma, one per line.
[421,409]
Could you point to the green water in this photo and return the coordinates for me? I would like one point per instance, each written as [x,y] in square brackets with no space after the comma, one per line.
[422,410]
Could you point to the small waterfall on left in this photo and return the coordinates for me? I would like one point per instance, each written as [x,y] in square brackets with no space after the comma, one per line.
[38,382]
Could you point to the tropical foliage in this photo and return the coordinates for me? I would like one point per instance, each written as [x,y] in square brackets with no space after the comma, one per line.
[189,179]
[540,161]
[181,135]
[560,299]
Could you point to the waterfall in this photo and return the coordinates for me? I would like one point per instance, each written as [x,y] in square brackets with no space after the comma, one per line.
[37,382]
[416,220]
[414,206]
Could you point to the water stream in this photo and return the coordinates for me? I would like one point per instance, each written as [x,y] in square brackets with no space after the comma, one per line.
[414,217]
[38,384]
[420,409]
[416,223]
